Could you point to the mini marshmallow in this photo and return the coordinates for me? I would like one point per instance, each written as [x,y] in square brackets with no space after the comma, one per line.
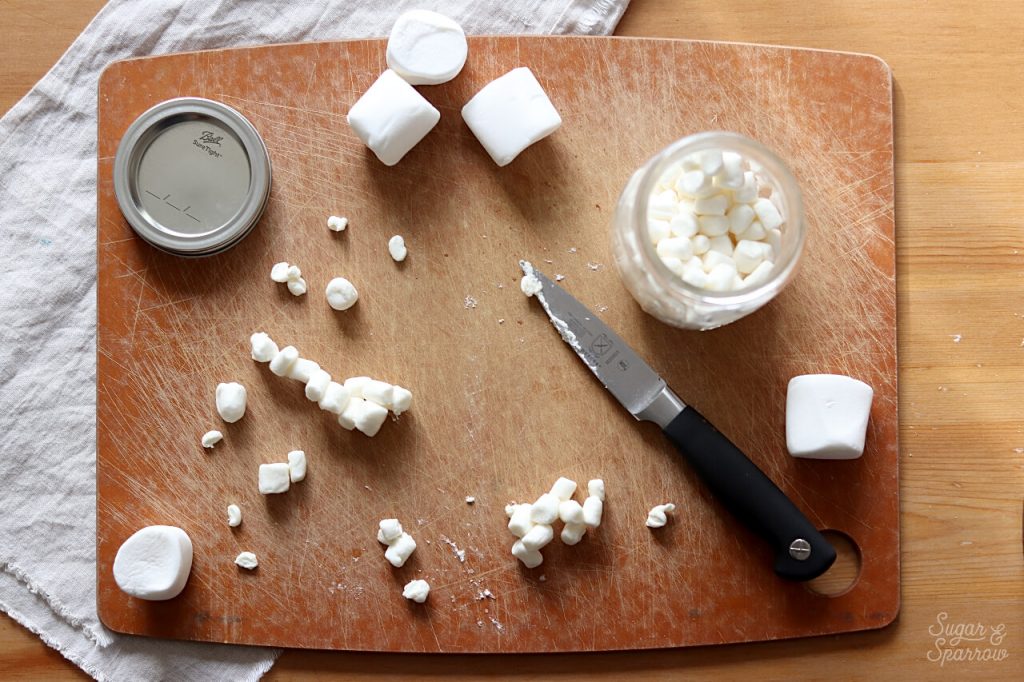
[355,385]
[722,277]
[296,465]
[426,48]
[396,247]
[283,361]
[399,551]
[731,174]
[663,205]
[211,438]
[297,287]
[658,230]
[767,213]
[335,398]
[353,410]
[760,275]
[521,521]
[293,274]
[234,515]
[747,194]
[570,511]
[274,478]
[154,563]
[510,509]
[391,118]
[695,277]
[563,488]
[572,533]
[509,114]
[710,161]
[722,244]
[593,508]
[370,418]
[317,384]
[748,255]
[247,560]
[263,347]
[596,488]
[755,232]
[827,416]
[713,205]
[379,392]
[656,518]
[713,259]
[390,530]
[537,537]
[713,225]
[302,370]
[530,559]
[674,264]
[684,225]
[279,273]
[675,247]
[337,224]
[774,240]
[416,590]
[694,183]
[341,294]
[701,244]
[230,400]
[740,216]
[545,509]
[401,400]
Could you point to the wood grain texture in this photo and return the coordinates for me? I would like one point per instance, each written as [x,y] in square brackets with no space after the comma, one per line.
[502,410]
[957,94]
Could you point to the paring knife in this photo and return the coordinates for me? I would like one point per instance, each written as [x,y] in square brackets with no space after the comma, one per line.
[801,552]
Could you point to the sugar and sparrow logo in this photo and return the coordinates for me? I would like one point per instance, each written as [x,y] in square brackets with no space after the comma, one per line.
[966,642]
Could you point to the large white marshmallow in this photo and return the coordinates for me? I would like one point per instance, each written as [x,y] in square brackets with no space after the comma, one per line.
[509,114]
[230,400]
[827,416]
[391,117]
[426,48]
[154,563]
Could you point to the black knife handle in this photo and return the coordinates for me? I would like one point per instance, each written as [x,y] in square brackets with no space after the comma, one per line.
[751,496]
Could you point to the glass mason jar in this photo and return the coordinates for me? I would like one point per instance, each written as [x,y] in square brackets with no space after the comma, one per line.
[664,294]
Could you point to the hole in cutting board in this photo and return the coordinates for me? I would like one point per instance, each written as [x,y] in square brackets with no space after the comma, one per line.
[844,573]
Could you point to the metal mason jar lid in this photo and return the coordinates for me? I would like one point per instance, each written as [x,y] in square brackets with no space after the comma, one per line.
[192,176]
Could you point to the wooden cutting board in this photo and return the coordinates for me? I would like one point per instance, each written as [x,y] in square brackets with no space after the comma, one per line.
[502,406]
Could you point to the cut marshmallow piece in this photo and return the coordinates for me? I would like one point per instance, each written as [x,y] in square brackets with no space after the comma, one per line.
[263,347]
[530,559]
[335,398]
[279,273]
[538,537]
[572,533]
[426,48]
[154,563]
[355,385]
[545,509]
[296,465]
[211,438]
[399,550]
[570,512]
[416,590]
[230,400]
[520,522]
[509,114]
[247,560]
[283,361]
[391,117]
[388,531]
[337,223]
[341,294]
[302,370]
[274,478]
[297,287]
[379,392]
[317,385]
[401,400]
[370,417]
[234,516]
[397,249]
[563,488]
[656,518]
[827,416]
[593,508]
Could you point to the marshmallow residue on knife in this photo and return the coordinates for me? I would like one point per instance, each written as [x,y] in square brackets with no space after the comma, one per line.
[154,563]
[426,48]
[509,114]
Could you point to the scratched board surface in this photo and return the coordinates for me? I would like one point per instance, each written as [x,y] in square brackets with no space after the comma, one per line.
[502,406]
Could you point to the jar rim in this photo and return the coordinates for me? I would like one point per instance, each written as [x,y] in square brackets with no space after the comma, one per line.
[772,166]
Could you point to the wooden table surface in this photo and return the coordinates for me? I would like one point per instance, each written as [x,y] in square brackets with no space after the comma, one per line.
[959,100]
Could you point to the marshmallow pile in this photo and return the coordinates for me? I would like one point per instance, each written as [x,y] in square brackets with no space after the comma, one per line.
[426,48]
[400,544]
[533,523]
[361,403]
[710,225]
[283,273]
[827,416]
[278,477]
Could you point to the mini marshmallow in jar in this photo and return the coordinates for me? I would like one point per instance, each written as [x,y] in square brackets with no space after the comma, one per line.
[738,208]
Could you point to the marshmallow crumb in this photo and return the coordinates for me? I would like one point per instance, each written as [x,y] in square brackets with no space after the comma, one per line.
[337,223]
[656,518]
[211,438]
[247,560]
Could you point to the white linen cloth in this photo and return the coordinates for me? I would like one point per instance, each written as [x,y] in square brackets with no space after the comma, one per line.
[48,309]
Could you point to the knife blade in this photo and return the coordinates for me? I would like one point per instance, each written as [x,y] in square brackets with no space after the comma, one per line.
[801,551]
